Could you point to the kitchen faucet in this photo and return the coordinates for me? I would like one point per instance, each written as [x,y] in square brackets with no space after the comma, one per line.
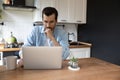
[69,34]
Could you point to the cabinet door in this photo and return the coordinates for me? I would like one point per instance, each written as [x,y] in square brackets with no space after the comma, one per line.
[80,11]
[40,5]
[77,11]
[62,7]
[71,11]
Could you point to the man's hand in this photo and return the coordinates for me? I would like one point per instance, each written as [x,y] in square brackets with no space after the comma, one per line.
[49,34]
[20,63]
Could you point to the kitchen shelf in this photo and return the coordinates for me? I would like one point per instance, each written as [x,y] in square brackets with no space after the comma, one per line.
[18,7]
[1,23]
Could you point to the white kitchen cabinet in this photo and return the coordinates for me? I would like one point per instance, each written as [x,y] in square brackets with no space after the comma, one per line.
[79,53]
[69,11]
[80,11]
[40,4]
[72,11]
[62,7]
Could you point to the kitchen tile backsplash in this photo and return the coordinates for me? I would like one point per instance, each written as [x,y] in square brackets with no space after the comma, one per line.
[21,22]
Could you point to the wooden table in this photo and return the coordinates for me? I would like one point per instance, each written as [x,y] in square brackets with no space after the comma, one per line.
[91,69]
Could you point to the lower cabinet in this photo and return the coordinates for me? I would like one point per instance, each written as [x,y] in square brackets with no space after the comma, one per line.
[79,52]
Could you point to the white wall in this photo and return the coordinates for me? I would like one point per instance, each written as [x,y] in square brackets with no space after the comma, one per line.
[18,22]
[71,28]
[21,22]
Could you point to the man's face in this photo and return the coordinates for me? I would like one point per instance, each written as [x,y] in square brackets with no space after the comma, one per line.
[49,21]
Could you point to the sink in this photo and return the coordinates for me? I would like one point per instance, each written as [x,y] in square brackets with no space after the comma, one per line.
[79,43]
[75,43]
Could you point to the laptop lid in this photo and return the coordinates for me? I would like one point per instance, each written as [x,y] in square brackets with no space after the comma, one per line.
[42,57]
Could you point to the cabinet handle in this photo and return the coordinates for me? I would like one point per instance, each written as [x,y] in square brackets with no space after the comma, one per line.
[64,20]
[79,21]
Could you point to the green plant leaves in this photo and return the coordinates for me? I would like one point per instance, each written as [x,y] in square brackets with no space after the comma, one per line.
[73,59]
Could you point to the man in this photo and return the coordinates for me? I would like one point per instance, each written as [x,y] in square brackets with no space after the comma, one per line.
[49,34]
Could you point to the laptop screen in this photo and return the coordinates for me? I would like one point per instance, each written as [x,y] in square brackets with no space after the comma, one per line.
[43,57]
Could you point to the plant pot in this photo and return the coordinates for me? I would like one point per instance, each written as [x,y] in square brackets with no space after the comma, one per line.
[73,64]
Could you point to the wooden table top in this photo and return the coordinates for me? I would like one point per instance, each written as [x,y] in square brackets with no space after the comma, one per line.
[90,69]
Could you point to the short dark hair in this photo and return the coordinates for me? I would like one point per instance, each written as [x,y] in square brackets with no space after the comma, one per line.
[49,11]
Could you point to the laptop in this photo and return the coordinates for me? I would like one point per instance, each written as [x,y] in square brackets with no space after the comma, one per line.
[42,57]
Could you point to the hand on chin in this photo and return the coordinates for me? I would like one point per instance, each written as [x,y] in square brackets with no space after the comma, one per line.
[49,33]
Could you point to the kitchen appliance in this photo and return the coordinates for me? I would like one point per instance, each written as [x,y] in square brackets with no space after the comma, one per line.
[71,37]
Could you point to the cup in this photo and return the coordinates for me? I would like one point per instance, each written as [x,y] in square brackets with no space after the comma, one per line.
[10,62]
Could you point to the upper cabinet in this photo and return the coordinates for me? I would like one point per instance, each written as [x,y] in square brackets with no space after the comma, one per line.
[62,7]
[69,11]
[40,4]
[79,8]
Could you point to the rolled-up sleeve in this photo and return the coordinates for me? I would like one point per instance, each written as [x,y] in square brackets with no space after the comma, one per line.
[65,45]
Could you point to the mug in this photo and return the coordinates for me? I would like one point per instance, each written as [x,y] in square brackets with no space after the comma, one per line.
[10,62]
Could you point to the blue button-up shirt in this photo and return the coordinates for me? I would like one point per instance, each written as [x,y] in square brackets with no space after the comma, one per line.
[37,37]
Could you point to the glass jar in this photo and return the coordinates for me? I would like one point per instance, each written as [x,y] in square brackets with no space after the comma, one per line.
[74,64]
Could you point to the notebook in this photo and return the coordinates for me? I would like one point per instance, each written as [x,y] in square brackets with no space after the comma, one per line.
[44,57]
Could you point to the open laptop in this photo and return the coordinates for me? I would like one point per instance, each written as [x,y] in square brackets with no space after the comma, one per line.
[44,57]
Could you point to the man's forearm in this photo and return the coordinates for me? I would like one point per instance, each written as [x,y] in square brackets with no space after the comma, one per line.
[55,43]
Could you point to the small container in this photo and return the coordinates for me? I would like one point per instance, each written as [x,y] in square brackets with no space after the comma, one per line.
[73,63]
[10,62]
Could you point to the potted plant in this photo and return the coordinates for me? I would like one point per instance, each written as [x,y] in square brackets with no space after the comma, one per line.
[73,62]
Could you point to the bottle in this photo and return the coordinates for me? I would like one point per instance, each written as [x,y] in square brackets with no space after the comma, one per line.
[12,2]
[7,1]
[12,39]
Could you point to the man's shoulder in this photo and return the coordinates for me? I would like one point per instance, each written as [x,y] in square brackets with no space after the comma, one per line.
[60,31]
[38,28]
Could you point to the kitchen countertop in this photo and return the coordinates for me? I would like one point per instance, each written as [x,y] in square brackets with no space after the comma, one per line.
[81,45]
[9,49]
